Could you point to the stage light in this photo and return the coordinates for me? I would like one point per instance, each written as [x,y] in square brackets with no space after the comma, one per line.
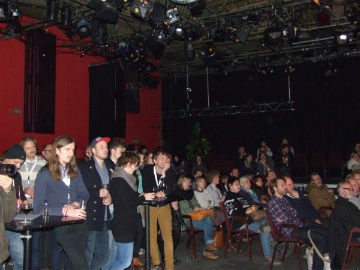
[172,15]
[324,15]
[273,36]
[293,33]
[141,8]
[351,15]
[208,50]
[52,10]
[189,49]
[83,28]
[66,15]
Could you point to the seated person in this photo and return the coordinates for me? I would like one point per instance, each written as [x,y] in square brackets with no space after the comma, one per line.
[264,163]
[246,191]
[319,194]
[213,178]
[300,203]
[344,217]
[354,162]
[205,224]
[249,166]
[236,205]
[356,188]
[257,185]
[282,212]
[201,194]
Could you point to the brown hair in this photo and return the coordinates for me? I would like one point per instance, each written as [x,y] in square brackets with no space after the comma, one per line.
[274,183]
[116,142]
[28,138]
[211,175]
[54,165]
[128,157]
[182,179]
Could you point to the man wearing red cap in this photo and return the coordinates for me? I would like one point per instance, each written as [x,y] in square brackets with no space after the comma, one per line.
[96,178]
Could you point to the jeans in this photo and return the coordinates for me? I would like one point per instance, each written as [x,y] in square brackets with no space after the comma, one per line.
[16,249]
[319,238]
[112,253]
[206,225]
[264,236]
[139,236]
[97,249]
[123,256]
[35,252]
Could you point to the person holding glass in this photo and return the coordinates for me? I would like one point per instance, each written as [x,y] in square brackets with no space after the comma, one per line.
[59,188]
[124,191]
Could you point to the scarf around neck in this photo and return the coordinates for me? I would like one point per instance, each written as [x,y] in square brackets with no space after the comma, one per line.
[130,179]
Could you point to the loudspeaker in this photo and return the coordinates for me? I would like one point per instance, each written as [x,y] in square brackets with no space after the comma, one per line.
[131,100]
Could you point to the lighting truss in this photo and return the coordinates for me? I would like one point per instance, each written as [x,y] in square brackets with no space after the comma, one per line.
[230,110]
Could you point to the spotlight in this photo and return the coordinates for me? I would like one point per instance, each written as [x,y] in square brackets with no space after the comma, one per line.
[99,33]
[141,8]
[208,50]
[82,28]
[52,10]
[324,15]
[177,32]
[189,49]
[104,11]
[273,36]
[342,38]
[66,15]
[293,33]
[172,15]
[351,15]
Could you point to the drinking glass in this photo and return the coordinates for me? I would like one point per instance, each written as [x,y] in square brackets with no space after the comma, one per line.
[26,209]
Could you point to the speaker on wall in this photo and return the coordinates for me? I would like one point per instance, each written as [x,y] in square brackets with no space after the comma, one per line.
[131,100]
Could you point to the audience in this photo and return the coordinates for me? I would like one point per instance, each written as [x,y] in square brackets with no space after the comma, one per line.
[62,184]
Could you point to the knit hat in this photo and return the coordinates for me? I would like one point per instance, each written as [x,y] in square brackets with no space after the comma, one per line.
[15,152]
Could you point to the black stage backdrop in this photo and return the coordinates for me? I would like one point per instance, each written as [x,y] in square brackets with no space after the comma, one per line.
[325,119]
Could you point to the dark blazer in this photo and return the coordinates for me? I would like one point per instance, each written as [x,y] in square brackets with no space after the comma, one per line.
[95,210]
[344,217]
[303,206]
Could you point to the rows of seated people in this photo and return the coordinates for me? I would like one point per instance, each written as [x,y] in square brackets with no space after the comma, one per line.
[107,191]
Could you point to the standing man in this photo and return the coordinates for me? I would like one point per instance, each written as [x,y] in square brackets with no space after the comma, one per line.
[31,166]
[46,151]
[160,178]
[116,148]
[96,177]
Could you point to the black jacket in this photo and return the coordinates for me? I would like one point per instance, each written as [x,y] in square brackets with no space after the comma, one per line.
[149,182]
[125,201]
[344,217]
[95,210]
[303,206]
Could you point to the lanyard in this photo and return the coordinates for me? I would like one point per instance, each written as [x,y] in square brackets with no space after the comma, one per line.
[158,181]
[31,170]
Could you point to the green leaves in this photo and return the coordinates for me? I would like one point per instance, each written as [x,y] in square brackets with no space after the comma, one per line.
[198,145]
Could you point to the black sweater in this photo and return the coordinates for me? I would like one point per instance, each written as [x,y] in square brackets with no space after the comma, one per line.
[125,201]
[149,182]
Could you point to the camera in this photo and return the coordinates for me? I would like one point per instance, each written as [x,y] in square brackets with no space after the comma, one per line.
[8,169]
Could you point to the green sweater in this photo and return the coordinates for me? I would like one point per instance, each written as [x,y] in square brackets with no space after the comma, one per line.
[186,207]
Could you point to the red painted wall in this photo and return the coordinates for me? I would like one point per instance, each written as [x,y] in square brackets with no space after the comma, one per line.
[72,100]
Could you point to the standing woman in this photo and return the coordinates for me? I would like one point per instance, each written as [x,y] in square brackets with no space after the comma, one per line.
[60,186]
[124,191]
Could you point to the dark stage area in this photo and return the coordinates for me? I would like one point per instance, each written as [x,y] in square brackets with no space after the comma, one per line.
[323,122]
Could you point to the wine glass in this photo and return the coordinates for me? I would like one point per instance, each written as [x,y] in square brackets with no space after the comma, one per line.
[26,208]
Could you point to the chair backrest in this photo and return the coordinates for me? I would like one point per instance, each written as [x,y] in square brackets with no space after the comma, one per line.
[353,230]
[223,209]
[275,232]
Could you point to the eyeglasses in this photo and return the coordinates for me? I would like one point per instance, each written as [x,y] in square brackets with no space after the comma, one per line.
[347,188]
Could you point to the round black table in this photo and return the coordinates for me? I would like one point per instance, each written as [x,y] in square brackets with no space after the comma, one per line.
[40,223]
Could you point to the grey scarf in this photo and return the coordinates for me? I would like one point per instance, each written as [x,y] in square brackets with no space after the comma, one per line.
[130,179]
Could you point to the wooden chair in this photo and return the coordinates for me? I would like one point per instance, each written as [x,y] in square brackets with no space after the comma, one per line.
[279,238]
[192,231]
[351,243]
[241,234]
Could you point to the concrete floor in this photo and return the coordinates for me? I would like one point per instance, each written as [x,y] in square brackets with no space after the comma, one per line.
[238,260]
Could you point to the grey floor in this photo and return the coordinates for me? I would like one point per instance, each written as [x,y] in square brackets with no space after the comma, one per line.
[238,260]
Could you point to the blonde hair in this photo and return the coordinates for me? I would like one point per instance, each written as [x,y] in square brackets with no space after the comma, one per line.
[182,179]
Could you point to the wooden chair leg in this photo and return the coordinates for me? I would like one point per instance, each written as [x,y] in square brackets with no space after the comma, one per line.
[349,257]
[193,244]
[273,256]
[284,252]
[299,255]
[240,237]
[188,241]
[249,249]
